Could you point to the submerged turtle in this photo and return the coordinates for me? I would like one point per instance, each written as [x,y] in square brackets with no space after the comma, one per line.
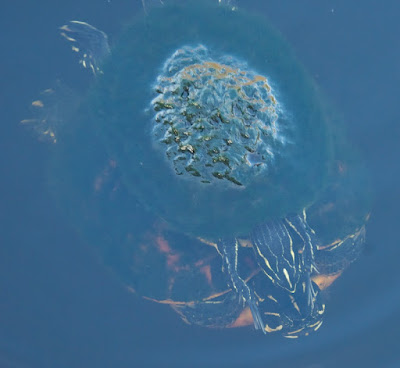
[202,122]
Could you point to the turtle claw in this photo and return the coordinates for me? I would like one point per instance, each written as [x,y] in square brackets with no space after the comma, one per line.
[311,293]
[257,319]
[249,300]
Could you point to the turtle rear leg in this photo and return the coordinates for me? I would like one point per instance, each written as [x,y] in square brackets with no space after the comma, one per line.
[229,248]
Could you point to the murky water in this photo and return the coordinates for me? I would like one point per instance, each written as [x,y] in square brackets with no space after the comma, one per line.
[61,308]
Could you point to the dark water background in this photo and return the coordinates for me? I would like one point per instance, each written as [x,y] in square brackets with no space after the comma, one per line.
[60,308]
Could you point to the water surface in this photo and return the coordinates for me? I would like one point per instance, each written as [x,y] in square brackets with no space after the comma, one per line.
[60,308]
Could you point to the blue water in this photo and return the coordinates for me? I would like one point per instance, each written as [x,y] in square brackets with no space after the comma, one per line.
[60,308]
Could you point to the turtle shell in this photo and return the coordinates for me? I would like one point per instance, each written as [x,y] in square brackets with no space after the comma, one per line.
[214,126]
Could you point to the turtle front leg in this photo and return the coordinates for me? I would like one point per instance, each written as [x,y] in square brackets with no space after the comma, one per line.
[229,248]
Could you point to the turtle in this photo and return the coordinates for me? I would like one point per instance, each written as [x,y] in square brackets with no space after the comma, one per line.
[211,133]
